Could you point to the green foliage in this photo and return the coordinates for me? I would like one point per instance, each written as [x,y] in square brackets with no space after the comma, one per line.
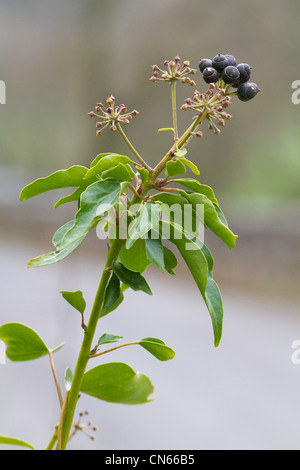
[117,382]
[15,442]
[23,343]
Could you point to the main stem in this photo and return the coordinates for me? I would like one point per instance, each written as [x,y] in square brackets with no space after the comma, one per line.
[86,346]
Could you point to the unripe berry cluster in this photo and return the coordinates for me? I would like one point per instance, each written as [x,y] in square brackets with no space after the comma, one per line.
[225,70]
[174,71]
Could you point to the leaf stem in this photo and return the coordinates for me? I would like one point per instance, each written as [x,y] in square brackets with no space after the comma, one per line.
[53,439]
[174,110]
[113,349]
[129,144]
[55,379]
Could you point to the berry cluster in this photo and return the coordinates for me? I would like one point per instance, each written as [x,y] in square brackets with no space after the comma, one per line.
[225,70]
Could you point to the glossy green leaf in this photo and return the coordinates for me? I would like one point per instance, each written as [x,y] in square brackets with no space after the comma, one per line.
[213,298]
[121,172]
[132,279]
[191,165]
[175,167]
[144,173]
[12,441]
[135,258]
[55,256]
[94,202]
[106,162]
[157,348]
[211,218]
[155,252]
[68,379]
[106,338]
[113,295]
[117,382]
[73,176]
[75,299]
[170,260]
[191,253]
[147,217]
[197,187]
[99,156]
[23,343]
[60,253]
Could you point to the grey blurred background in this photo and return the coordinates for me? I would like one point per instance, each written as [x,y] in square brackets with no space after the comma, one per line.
[57,60]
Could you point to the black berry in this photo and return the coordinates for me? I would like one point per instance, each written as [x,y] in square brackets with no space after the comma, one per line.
[230,74]
[219,62]
[247,91]
[210,75]
[245,72]
[204,63]
[231,59]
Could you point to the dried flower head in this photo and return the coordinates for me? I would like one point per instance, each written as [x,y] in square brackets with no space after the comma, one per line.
[111,115]
[174,71]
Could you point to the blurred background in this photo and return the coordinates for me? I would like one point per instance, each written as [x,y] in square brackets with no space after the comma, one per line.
[58,59]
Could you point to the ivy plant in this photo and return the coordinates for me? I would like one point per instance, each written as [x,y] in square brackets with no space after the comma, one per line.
[138,208]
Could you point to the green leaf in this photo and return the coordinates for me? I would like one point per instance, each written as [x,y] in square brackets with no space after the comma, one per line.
[75,299]
[119,172]
[144,173]
[163,129]
[23,343]
[200,264]
[73,176]
[170,260]
[197,187]
[106,338]
[191,165]
[191,253]
[158,348]
[135,258]
[213,298]
[175,167]
[55,256]
[15,442]
[155,252]
[211,218]
[181,153]
[147,217]
[117,382]
[132,279]
[95,200]
[99,156]
[113,296]
[105,163]
[68,379]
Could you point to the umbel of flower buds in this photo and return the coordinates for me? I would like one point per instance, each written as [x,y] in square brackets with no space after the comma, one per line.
[111,115]
[174,71]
